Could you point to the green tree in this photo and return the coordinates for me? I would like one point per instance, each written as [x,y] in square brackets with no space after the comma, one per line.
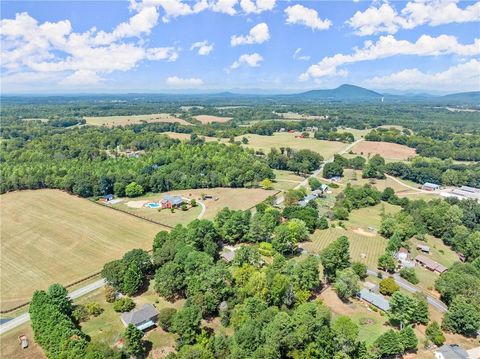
[462,317]
[388,286]
[332,169]
[113,273]
[388,344]
[335,257]
[186,323]
[408,339]
[346,283]
[360,269]
[322,223]
[124,304]
[165,318]
[346,334]
[266,184]
[132,280]
[133,341]
[314,183]
[402,309]
[288,234]
[386,263]
[60,298]
[409,275]
[435,334]
[169,280]
[133,190]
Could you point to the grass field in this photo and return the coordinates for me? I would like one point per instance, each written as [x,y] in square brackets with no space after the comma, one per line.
[284,139]
[209,119]
[111,121]
[285,180]
[186,136]
[50,236]
[392,151]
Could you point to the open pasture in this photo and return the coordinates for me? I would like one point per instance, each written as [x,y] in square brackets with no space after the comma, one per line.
[50,236]
[204,119]
[112,121]
[284,139]
[387,150]
[186,136]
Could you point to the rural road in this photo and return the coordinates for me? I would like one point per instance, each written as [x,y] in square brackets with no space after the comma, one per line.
[434,302]
[408,186]
[25,317]
[204,208]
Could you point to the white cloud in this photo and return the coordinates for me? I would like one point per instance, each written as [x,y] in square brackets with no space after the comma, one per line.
[301,15]
[252,60]
[176,81]
[257,35]
[78,58]
[297,56]
[461,77]
[225,6]
[258,6]
[204,48]
[385,18]
[172,8]
[388,46]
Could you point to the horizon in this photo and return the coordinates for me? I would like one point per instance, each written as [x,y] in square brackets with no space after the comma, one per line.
[269,46]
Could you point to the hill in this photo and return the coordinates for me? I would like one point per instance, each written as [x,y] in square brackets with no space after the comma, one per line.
[342,93]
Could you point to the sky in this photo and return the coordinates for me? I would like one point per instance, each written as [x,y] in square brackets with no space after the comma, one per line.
[244,45]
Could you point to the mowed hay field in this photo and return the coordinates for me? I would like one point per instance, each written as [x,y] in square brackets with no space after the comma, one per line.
[186,136]
[111,121]
[209,119]
[284,139]
[49,236]
[391,151]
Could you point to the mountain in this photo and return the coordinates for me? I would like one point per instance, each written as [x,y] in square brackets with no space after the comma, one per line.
[467,97]
[342,93]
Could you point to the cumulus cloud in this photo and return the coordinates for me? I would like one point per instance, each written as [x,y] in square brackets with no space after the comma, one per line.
[252,60]
[257,35]
[225,6]
[385,18]
[176,81]
[301,15]
[388,46]
[297,56]
[461,77]
[258,6]
[204,48]
[78,58]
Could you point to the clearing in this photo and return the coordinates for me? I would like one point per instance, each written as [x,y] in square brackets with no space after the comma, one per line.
[111,121]
[234,198]
[186,136]
[204,119]
[284,139]
[50,236]
[387,150]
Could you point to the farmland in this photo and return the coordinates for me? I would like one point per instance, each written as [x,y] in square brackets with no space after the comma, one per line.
[204,119]
[186,136]
[284,139]
[111,121]
[391,151]
[50,236]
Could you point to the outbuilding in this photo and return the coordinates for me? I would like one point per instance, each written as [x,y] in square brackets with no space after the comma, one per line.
[427,186]
[374,299]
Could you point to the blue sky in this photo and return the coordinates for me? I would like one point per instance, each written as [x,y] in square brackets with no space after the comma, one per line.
[212,45]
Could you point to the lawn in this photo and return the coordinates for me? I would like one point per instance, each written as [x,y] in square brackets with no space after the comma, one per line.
[387,150]
[370,216]
[186,136]
[372,247]
[111,121]
[285,180]
[284,139]
[50,236]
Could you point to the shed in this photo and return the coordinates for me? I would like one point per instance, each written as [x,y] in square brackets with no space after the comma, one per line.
[107,197]
[307,199]
[451,351]
[427,186]
[423,248]
[324,188]
[142,318]
[470,189]
[375,299]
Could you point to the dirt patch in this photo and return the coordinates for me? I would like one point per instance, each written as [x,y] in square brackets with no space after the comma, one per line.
[208,119]
[363,232]
[387,150]
[136,204]
[331,300]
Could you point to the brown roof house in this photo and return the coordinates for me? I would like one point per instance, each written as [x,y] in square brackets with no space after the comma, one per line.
[430,264]
[142,318]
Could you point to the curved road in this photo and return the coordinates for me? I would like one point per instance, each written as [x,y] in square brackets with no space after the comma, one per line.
[25,317]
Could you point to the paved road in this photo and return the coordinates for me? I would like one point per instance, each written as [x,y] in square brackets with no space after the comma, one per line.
[25,317]
[304,183]
[434,302]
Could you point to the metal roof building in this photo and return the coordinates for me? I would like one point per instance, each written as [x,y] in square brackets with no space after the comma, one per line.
[375,299]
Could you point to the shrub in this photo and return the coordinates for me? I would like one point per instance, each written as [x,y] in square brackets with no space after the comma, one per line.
[80,313]
[133,190]
[388,286]
[165,316]
[435,334]
[124,304]
[94,309]
[193,203]
[360,269]
[409,274]
[266,249]
[109,294]
[184,207]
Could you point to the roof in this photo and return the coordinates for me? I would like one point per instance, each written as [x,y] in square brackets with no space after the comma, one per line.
[452,352]
[139,316]
[228,255]
[376,299]
[470,189]
[423,247]
[108,196]
[464,193]
[440,268]
[430,264]
[474,353]
[323,187]
[431,185]
[173,199]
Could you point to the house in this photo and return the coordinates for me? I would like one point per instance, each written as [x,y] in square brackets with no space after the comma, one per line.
[423,248]
[142,318]
[171,201]
[307,199]
[107,198]
[427,186]
[404,258]
[430,264]
[451,351]
[374,299]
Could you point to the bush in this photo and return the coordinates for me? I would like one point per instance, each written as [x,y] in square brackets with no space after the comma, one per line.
[193,203]
[124,304]
[165,316]
[80,313]
[409,274]
[388,286]
[360,269]
[109,294]
[266,249]
[183,207]
[94,309]
[133,190]
[435,334]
